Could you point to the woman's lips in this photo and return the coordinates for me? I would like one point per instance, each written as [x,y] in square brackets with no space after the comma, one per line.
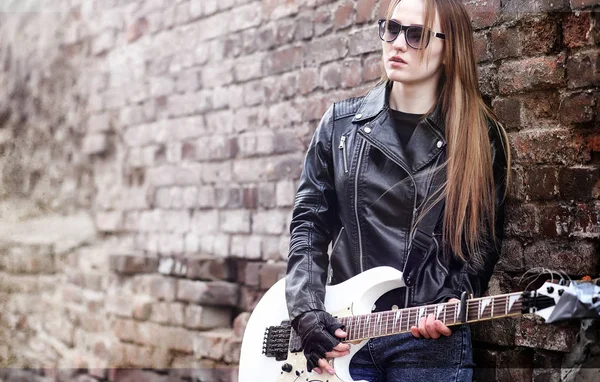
[397,61]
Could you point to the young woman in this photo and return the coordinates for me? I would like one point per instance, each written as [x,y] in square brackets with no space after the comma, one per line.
[367,183]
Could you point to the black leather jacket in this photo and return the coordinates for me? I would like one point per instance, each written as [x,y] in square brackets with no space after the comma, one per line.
[360,188]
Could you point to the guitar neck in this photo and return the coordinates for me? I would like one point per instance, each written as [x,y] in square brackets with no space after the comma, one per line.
[400,321]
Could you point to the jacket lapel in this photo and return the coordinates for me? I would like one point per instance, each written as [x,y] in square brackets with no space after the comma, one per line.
[425,144]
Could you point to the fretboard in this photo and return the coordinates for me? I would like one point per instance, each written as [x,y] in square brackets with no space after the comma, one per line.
[400,321]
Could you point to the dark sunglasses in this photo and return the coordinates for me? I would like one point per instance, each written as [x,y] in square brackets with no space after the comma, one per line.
[389,30]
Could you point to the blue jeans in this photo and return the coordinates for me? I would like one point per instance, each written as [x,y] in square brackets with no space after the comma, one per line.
[404,358]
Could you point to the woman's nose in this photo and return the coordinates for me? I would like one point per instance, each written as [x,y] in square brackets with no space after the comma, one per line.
[400,41]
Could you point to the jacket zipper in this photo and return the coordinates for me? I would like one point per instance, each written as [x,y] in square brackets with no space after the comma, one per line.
[337,240]
[360,251]
[343,148]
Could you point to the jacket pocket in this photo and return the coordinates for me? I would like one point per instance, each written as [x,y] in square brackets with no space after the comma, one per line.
[343,149]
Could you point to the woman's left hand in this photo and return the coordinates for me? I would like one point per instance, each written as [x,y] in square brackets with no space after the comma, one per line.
[429,327]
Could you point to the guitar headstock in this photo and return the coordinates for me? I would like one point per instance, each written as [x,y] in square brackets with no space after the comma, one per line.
[558,301]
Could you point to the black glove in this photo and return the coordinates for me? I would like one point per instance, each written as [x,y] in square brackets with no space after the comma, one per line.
[316,329]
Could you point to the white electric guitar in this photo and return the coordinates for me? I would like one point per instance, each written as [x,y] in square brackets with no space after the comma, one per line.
[271,351]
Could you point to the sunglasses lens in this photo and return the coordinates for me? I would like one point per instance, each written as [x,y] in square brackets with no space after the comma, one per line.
[388,31]
[413,36]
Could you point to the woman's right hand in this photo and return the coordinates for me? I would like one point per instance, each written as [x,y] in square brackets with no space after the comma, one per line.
[320,334]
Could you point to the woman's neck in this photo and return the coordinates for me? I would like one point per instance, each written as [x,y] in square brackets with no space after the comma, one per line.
[412,99]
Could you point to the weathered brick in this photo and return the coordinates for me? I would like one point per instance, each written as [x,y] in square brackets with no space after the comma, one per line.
[205,317]
[235,221]
[581,183]
[252,273]
[167,313]
[363,41]
[274,9]
[162,288]
[505,43]
[530,31]
[499,332]
[211,344]
[575,258]
[271,273]
[531,74]
[583,69]
[343,14]
[483,13]
[248,247]
[531,332]
[284,60]
[209,268]
[249,297]
[522,220]
[515,364]
[95,144]
[508,111]
[365,10]
[239,324]
[131,264]
[577,108]
[372,68]
[541,183]
[210,293]
[547,147]
[511,258]
[272,222]
[576,28]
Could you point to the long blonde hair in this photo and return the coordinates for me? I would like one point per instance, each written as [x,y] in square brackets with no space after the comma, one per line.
[469,189]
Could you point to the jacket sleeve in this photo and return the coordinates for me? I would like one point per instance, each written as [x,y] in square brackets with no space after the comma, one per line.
[474,278]
[311,226]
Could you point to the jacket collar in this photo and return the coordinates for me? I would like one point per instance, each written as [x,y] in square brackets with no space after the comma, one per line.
[377,100]
[425,144]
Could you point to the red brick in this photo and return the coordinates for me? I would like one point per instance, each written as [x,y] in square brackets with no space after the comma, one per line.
[284,60]
[522,220]
[210,293]
[531,74]
[372,68]
[497,332]
[308,81]
[577,108]
[575,258]
[579,183]
[539,35]
[239,324]
[209,268]
[540,105]
[351,73]
[555,221]
[576,28]
[285,31]
[508,110]
[583,69]
[271,273]
[551,147]
[364,41]
[321,20]
[163,288]
[483,13]
[137,29]
[532,332]
[365,10]
[331,76]
[578,4]
[480,46]
[541,183]
[511,258]
[343,13]
[249,297]
[515,365]
[326,49]
[578,219]
[252,273]
[250,197]
[131,264]
[488,80]
[505,43]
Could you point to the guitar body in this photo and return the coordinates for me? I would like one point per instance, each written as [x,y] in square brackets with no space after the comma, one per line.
[352,297]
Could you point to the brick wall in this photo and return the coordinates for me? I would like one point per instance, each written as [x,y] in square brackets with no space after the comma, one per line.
[150,151]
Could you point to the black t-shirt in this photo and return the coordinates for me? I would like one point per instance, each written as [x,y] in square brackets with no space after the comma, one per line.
[405,124]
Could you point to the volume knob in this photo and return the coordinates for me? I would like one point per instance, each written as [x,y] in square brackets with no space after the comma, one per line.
[286,367]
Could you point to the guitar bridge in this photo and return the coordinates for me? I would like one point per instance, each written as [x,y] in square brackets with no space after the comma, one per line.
[277,341]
